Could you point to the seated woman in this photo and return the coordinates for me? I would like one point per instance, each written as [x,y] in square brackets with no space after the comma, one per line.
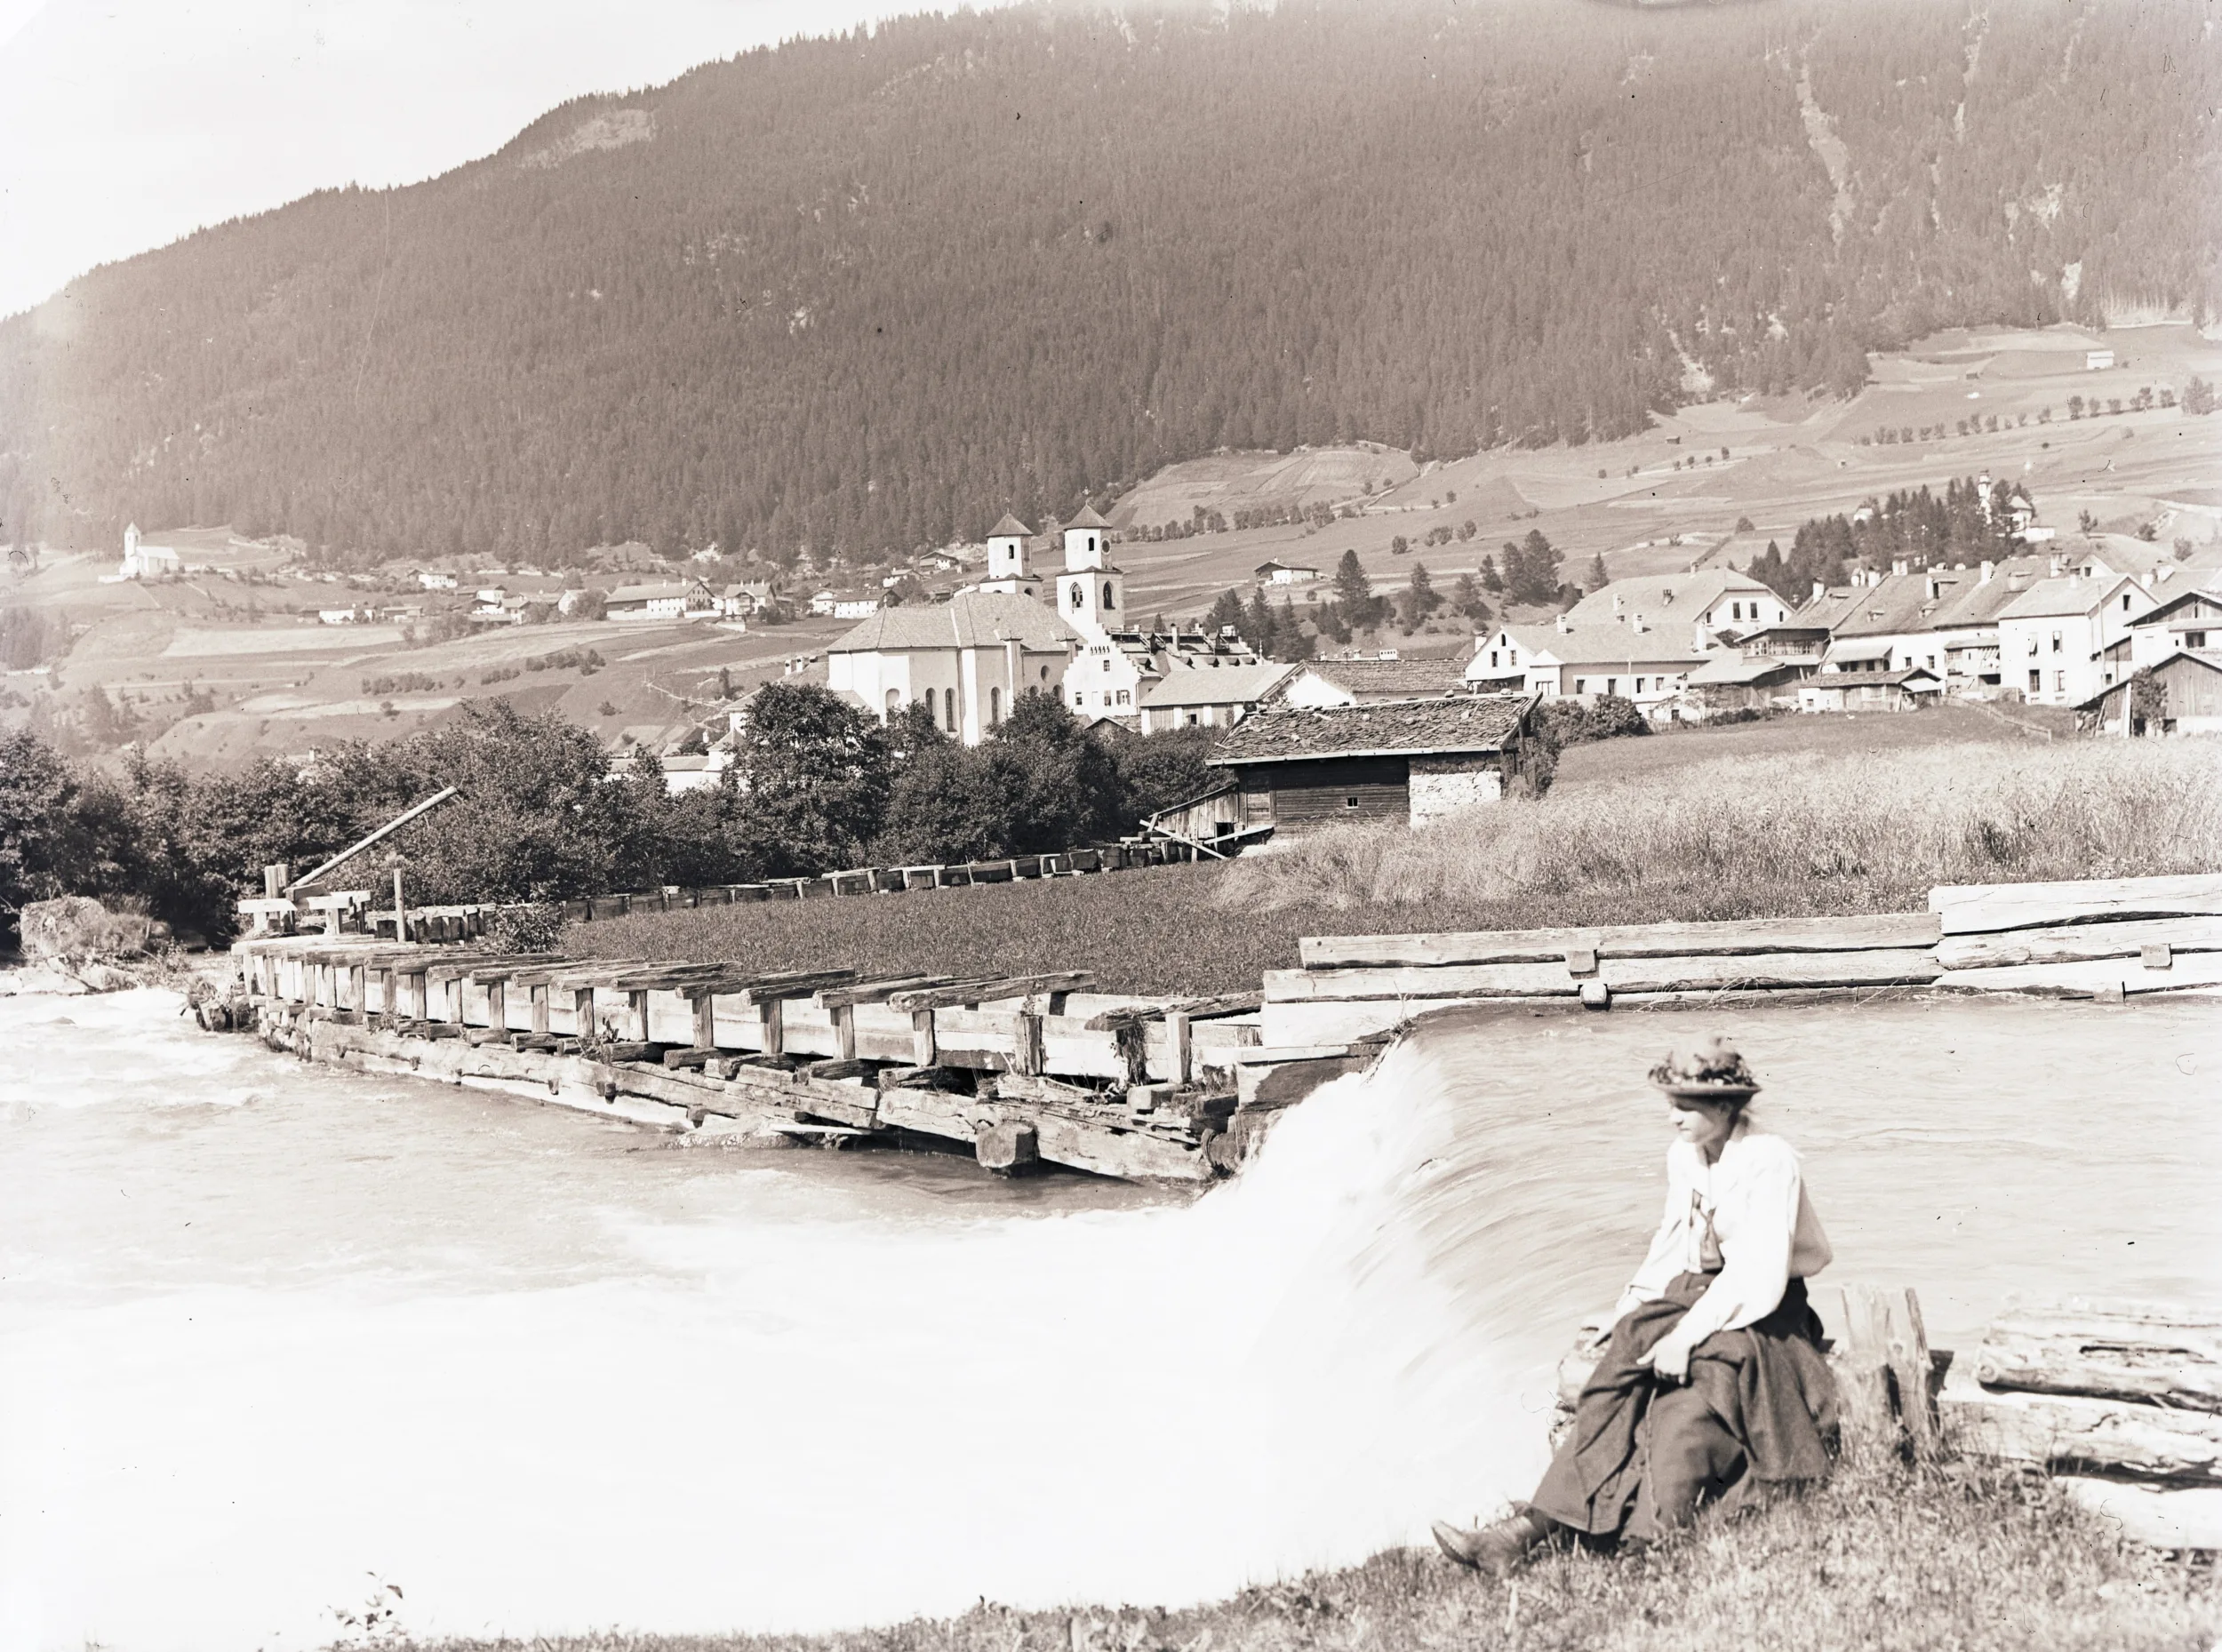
[1713,1379]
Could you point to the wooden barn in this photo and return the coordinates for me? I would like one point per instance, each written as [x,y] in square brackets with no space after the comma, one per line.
[1403,760]
[1869,690]
[2181,695]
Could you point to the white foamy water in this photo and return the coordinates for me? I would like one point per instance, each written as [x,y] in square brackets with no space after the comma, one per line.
[266,1329]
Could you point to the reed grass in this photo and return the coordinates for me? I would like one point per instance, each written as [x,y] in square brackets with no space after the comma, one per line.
[1791,834]
[1882,1556]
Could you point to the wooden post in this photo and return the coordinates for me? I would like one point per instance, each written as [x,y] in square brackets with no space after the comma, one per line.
[772,1013]
[359,989]
[582,1011]
[418,996]
[1181,1050]
[274,881]
[539,1009]
[1883,1368]
[497,1006]
[1028,1057]
[387,999]
[454,996]
[704,1022]
[401,912]
[844,1020]
[923,1048]
[636,1000]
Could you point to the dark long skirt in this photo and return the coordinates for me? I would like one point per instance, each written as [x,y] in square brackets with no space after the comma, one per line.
[1760,1409]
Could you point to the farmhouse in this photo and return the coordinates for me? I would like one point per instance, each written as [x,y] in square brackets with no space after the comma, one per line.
[2189,621]
[2182,694]
[844,604]
[1741,682]
[1632,661]
[966,660]
[1402,760]
[1321,683]
[1285,573]
[2053,639]
[1944,620]
[1193,695]
[1870,690]
[664,600]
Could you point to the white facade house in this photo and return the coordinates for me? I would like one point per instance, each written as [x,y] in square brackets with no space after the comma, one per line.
[1629,661]
[1285,573]
[1198,696]
[2190,621]
[1698,609]
[967,661]
[2054,639]
[666,600]
[1113,662]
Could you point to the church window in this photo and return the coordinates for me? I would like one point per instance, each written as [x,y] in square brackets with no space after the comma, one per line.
[948,707]
[1108,603]
[894,702]
[995,705]
[1079,601]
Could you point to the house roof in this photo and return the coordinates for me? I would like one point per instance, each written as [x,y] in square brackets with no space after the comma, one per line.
[1606,645]
[2056,599]
[663,592]
[974,620]
[1745,671]
[1868,679]
[2158,615]
[1476,722]
[1009,525]
[1860,647]
[1088,517]
[1227,685]
[1898,603]
[1391,679]
[1665,596]
[1268,567]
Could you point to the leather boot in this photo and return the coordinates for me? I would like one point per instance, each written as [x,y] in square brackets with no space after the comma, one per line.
[1497,1548]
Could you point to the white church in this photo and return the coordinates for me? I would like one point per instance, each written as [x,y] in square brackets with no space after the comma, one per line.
[1016,631]
[142,561]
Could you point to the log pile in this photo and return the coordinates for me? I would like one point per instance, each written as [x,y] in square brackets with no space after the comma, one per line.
[2123,1402]
[2105,939]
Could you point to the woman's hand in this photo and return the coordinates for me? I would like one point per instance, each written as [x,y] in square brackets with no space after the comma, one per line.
[1669,1356]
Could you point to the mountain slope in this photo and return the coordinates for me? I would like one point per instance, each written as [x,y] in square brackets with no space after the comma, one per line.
[868,292]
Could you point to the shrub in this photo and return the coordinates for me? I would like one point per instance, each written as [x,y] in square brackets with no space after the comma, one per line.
[530,926]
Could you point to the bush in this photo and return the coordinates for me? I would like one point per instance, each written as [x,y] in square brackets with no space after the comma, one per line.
[530,927]
[72,930]
[1563,723]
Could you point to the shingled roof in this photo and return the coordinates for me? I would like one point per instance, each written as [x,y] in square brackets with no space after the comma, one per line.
[1479,723]
[1392,679]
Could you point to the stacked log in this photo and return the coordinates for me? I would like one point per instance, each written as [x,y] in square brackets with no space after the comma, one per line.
[2105,939]
[2122,1402]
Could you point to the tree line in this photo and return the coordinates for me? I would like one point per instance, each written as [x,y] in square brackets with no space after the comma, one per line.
[865,293]
[1968,522]
[543,815]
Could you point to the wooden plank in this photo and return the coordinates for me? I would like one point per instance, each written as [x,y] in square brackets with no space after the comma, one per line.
[1196,1008]
[989,990]
[2100,979]
[856,1105]
[2175,1518]
[2156,1354]
[1884,1369]
[876,992]
[2080,943]
[762,989]
[1897,967]
[1991,908]
[2078,1434]
[1868,933]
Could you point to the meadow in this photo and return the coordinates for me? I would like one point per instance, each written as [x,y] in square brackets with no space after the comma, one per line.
[1738,831]
[1882,1556]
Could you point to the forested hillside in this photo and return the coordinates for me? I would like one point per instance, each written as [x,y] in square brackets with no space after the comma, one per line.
[869,293]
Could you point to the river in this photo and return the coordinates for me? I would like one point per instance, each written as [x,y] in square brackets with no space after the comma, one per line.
[271,1333]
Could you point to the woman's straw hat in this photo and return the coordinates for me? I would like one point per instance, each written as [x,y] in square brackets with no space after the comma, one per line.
[1710,1069]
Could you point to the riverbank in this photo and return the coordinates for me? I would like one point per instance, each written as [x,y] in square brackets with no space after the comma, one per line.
[1882,1556]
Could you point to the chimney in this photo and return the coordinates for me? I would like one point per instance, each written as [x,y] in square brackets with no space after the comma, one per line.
[1931,586]
[1989,568]
[1820,591]
[2055,568]
[1563,627]
[1617,600]
[1900,566]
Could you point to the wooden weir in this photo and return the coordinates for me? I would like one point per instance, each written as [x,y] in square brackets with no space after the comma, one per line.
[1022,1069]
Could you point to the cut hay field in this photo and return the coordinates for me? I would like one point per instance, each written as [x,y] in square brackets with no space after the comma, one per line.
[1822,833]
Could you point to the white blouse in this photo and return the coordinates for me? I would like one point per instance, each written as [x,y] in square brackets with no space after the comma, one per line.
[1766,1235]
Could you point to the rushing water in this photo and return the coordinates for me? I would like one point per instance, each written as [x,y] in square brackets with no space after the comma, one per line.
[266,1330]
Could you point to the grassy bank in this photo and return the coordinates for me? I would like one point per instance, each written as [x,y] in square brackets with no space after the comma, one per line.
[1797,833]
[1749,832]
[1881,1557]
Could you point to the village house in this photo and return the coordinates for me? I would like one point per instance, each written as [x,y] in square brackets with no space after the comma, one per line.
[1741,682]
[966,660]
[1909,689]
[1943,620]
[1712,603]
[1190,695]
[432,579]
[1321,683]
[2178,694]
[1567,660]
[1403,760]
[2189,621]
[1285,573]
[2053,639]
[844,604]
[666,600]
